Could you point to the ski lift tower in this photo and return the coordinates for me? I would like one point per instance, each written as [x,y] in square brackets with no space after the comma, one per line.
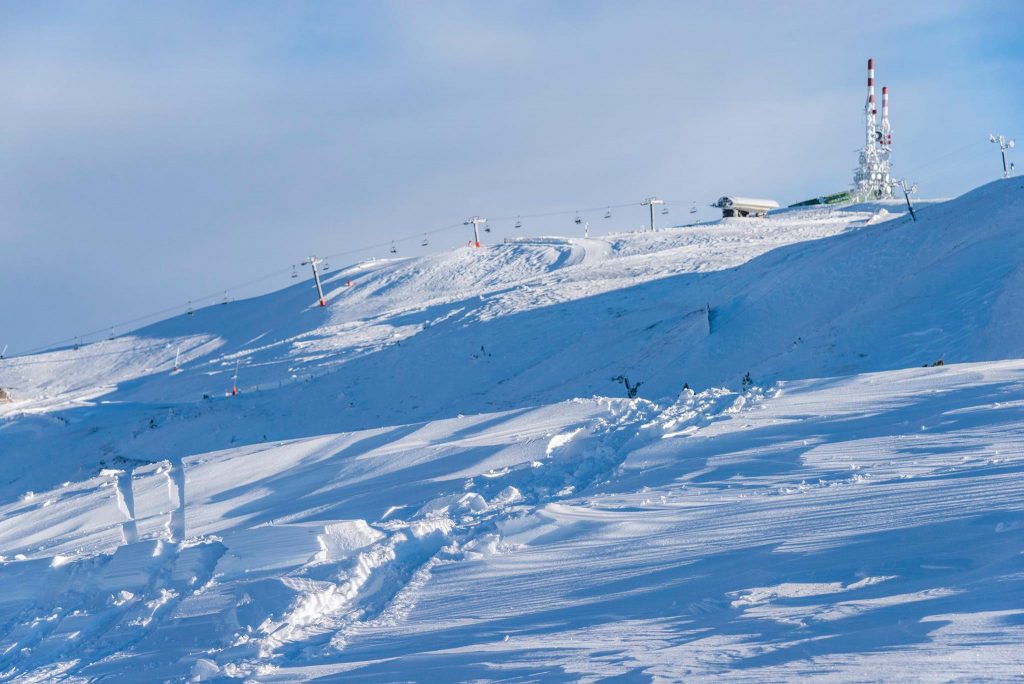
[476,222]
[1004,145]
[871,179]
[312,263]
[651,202]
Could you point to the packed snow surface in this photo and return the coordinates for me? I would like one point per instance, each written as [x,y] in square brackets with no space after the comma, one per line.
[439,475]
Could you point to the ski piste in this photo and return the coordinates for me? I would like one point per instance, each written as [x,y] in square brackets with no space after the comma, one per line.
[437,476]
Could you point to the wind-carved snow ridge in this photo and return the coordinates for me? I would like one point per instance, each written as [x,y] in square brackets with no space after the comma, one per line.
[126,504]
[323,610]
[573,460]
[447,529]
[335,579]
[379,586]
[105,605]
[303,587]
[108,603]
[692,410]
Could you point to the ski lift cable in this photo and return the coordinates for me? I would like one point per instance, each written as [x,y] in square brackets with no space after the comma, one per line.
[564,212]
[952,153]
[211,298]
[388,243]
[214,297]
[217,296]
[22,360]
[947,158]
[460,225]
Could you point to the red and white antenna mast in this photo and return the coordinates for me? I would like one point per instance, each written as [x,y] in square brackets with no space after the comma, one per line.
[871,89]
[871,179]
[886,132]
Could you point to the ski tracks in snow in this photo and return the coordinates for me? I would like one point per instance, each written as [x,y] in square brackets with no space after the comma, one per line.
[363,577]
[381,587]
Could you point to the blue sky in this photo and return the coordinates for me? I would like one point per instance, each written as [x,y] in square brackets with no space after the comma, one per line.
[153,153]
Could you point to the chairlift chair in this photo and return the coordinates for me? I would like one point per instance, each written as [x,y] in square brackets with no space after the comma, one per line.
[664,210]
[394,250]
[577,220]
[295,273]
[693,209]
[425,241]
[608,212]
[519,223]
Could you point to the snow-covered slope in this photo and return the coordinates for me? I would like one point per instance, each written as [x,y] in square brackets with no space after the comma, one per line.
[809,294]
[422,481]
[559,318]
[850,528]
